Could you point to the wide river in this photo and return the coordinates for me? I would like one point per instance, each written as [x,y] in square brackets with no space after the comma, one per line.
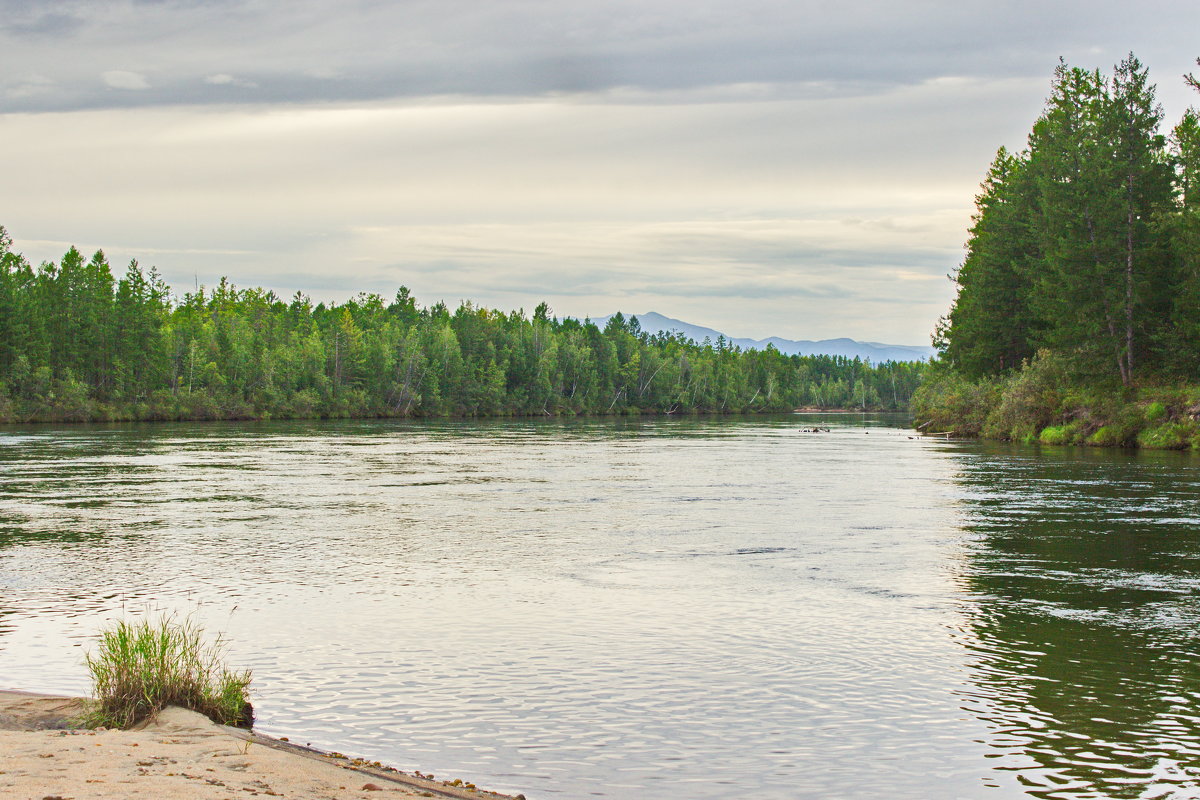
[695,608]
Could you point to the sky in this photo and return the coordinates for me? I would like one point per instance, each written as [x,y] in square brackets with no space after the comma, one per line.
[800,169]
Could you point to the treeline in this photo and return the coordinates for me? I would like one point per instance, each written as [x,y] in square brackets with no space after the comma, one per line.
[1084,254]
[77,344]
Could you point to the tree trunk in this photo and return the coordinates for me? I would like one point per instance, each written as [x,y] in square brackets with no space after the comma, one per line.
[1129,287]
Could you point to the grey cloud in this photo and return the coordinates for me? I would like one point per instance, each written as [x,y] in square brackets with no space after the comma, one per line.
[225,79]
[39,24]
[319,287]
[124,79]
[759,167]
[472,47]
[779,254]
[675,270]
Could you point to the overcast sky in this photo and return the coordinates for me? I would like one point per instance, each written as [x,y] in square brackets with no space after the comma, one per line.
[800,169]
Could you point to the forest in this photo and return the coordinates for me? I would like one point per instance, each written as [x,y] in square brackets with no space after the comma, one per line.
[78,344]
[1077,318]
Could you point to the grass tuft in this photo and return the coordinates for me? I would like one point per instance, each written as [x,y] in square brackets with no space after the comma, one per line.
[142,667]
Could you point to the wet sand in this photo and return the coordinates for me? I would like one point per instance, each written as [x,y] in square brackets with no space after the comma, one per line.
[180,755]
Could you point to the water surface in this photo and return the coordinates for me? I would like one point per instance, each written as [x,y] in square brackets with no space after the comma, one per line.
[632,609]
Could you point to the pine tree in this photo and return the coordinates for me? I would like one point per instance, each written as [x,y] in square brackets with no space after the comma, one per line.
[991,327]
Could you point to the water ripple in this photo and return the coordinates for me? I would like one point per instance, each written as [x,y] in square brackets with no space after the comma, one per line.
[635,609]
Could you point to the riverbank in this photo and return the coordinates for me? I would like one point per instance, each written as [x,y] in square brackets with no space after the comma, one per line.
[1041,403]
[12,416]
[182,755]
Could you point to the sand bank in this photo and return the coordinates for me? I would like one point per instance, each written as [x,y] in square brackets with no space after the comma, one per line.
[180,755]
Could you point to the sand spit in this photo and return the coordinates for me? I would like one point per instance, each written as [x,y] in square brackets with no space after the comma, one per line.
[181,755]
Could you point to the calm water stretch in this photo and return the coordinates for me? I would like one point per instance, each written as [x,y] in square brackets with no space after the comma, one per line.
[663,608]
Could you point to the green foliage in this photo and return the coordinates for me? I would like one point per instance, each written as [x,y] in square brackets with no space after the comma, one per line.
[1060,434]
[1107,436]
[79,346]
[1155,411]
[1086,248]
[1113,435]
[948,402]
[1169,435]
[142,667]
[1045,401]
[991,327]
[1122,422]
[1080,243]
[7,413]
[1030,399]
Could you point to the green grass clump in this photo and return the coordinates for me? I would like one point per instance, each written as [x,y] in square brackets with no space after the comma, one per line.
[1059,434]
[142,667]
[1168,436]
[1155,412]
[1107,436]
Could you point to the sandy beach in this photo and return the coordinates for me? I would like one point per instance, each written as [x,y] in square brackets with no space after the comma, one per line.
[180,755]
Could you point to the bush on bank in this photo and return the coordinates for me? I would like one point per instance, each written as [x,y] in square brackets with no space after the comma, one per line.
[1047,401]
[142,667]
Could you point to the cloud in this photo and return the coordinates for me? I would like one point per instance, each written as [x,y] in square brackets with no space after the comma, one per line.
[771,167]
[122,79]
[767,213]
[538,48]
[30,21]
[28,86]
[225,79]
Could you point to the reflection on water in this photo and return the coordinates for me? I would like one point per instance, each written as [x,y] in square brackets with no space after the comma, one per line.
[1084,617]
[698,607]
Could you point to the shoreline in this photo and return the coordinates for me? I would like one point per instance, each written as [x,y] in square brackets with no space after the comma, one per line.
[119,419]
[1041,403]
[182,755]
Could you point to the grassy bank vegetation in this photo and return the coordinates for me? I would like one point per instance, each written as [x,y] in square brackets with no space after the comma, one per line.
[1047,401]
[142,667]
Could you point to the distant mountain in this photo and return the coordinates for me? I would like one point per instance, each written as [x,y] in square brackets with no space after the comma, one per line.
[876,352]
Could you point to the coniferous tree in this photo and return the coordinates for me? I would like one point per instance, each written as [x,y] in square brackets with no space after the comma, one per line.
[1147,195]
[992,327]
[77,345]
[1068,248]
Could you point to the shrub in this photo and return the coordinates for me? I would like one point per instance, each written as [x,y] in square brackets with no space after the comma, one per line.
[1107,436]
[1155,412]
[305,404]
[948,402]
[143,667]
[1168,436]
[1121,427]
[7,410]
[1031,399]
[199,405]
[1060,434]
[71,400]
[161,406]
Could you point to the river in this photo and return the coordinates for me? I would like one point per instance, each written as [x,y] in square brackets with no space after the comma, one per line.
[690,608]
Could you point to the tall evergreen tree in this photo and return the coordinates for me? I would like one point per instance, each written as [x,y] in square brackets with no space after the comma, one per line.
[1101,178]
[1147,195]
[991,327]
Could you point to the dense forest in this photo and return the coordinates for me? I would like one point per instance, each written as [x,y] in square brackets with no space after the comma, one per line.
[1078,310]
[77,344]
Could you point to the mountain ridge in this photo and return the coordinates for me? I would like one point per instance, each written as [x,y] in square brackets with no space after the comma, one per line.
[877,352]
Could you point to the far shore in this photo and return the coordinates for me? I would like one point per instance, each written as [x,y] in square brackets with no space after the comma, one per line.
[12,422]
[182,755]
